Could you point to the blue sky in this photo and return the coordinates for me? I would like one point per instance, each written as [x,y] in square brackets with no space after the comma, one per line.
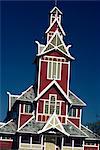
[24,22]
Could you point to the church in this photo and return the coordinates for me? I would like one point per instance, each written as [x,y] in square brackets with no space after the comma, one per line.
[47,115]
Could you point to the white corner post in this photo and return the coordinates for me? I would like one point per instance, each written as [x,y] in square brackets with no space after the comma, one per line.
[83,144]
[42,142]
[31,141]
[19,141]
[73,144]
[62,143]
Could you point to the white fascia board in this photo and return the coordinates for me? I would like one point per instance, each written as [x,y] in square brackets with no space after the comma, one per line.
[69,56]
[78,98]
[12,95]
[39,45]
[56,20]
[66,48]
[24,92]
[49,42]
[57,9]
[53,126]
[44,90]
[25,123]
[6,123]
[48,87]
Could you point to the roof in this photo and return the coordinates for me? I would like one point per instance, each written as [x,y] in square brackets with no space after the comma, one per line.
[27,95]
[73,131]
[8,128]
[91,135]
[31,126]
[49,86]
[55,8]
[56,20]
[75,100]
[56,43]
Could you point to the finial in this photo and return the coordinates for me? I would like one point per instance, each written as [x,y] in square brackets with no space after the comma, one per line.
[55,2]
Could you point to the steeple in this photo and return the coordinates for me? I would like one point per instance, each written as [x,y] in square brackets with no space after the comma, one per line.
[55,23]
[55,14]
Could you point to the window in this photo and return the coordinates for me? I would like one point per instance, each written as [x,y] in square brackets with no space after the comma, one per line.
[50,34]
[73,112]
[36,139]
[47,107]
[25,139]
[54,70]
[27,108]
[52,105]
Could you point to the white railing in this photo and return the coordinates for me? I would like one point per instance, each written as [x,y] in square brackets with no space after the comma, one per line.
[72,148]
[26,146]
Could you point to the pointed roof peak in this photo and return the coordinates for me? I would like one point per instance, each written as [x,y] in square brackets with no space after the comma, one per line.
[56,8]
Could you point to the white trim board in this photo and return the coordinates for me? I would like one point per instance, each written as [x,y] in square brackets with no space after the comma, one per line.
[56,9]
[49,86]
[56,20]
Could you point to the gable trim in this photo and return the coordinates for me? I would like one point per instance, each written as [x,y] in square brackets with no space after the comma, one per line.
[24,92]
[57,9]
[49,86]
[78,99]
[25,123]
[49,42]
[53,125]
[56,20]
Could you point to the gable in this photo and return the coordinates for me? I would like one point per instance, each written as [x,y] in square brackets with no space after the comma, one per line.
[53,90]
[48,87]
[56,43]
[54,26]
[53,123]
[27,95]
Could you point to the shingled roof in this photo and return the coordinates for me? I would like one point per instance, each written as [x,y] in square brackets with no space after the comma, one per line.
[10,127]
[31,127]
[75,100]
[73,131]
[91,135]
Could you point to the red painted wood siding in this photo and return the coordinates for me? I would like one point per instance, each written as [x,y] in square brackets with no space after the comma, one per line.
[43,76]
[52,90]
[44,82]
[75,121]
[24,118]
[78,115]
[22,108]
[5,145]
[63,108]
[90,148]
[40,106]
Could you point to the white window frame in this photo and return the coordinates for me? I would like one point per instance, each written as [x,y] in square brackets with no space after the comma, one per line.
[72,112]
[24,109]
[51,74]
[50,95]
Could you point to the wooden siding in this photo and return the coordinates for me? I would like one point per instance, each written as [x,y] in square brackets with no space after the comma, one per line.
[76,121]
[6,145]
[24,118]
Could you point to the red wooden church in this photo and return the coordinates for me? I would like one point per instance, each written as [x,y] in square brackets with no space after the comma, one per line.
[47,116]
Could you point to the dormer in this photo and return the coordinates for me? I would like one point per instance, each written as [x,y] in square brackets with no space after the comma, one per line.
[55,14]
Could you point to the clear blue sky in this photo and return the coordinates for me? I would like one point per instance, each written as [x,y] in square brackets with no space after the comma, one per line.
[24,22]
